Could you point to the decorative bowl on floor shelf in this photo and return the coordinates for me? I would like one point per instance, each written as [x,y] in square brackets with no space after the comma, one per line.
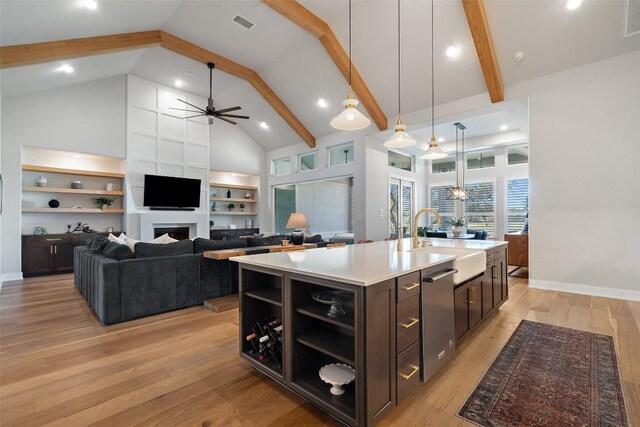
[334,298]
[338,375]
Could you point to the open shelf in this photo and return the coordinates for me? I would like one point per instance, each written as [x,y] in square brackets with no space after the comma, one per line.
[234,213]
[319,312]
[49,169]
[72,210]
[330,342]
[233,186]
[270,295]
[233,199]
[268,363]
[72,191]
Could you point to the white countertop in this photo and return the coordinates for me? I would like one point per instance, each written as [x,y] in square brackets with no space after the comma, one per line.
[363,264]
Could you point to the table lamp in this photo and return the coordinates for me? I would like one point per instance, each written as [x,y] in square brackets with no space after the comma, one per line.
[297,221]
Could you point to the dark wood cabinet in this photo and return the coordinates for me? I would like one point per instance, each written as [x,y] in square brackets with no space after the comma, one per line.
[461,307]
[475,302]
[228,234]
[487,291]
[51,253]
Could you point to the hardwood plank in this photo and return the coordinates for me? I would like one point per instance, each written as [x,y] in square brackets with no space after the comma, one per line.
[481,33]
[183,367]
[222,304]
[36,168]
[72,191]
[233,186]
[315,26]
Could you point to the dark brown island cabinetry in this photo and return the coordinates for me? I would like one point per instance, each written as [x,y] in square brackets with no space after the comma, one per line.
[381,335]
[51,253]
[478,298]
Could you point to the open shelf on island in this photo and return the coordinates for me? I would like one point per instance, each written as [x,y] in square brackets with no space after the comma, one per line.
[331,343]
[268,363]
[72,191]
[319,312]
[72,210]
[270,295]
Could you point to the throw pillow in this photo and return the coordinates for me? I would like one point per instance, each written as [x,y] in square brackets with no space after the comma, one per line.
[115,239]
[149,250]
[131,243]
[117,251]
[200,245]
[98,243]
[164,239]
[313,239]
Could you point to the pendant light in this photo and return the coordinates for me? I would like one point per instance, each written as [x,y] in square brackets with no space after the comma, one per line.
[434,152]
[350,118]
[400,138]
[458,192]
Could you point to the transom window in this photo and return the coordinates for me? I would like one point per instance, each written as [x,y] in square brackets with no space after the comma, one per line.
[341,155]
[400,161]
[281,166]
[518,155]
[481,159]
[447,164]
[308,161]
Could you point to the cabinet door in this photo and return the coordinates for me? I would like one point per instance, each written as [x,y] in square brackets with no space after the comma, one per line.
[487,291]
[461,301]
[38,259]
[475,302]
[501,274]
[495,280]
[63,254]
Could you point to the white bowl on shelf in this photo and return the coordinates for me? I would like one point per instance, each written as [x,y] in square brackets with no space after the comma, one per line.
[338,375]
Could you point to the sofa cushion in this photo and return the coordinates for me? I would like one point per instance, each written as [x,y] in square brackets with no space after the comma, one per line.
[98,243]
[117,251]
[200,245]
[149,250]
[116,239]
[266,241]
[313,239]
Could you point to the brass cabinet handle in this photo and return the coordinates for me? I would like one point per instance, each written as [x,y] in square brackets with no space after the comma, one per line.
[55,250]
[472,295]
[413,372]
[52,240]
[413,322]
[413,286]
[51,250]
[494,271]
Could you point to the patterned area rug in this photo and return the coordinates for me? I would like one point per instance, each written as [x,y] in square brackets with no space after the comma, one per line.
[550,376]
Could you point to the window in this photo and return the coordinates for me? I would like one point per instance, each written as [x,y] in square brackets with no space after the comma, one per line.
[448,164]
[518,155]
[438,201]
[284,204]
[400,206]
[479,212]
[481,159]
[341,155]
[307,162]
[281,166]
[400,161]
[517,204]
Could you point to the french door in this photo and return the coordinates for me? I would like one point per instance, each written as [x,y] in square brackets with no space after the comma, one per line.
[401,201]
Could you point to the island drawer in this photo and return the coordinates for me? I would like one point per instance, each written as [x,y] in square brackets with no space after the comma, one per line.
[408,365]
[408,325]
[408,286]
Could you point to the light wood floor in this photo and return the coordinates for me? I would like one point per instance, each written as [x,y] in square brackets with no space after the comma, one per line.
[58,366]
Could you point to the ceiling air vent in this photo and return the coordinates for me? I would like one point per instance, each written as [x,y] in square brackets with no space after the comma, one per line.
[242,21]
[632,18]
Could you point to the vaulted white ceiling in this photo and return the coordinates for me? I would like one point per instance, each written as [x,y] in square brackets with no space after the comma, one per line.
[294,64]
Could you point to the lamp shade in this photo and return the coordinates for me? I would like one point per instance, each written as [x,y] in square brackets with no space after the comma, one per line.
[434,152]
[297,220]
[400,138]
[350,118]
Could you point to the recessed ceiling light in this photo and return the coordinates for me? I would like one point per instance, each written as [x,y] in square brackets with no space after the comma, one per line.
[440,139]
[264,125]
[572,4]
[89,4]
[453,51]
[504,127]
[322,103]
[178,83]
[66,68]
[77,156]
[234,174]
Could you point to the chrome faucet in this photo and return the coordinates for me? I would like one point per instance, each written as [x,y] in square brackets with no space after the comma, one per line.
[415,224]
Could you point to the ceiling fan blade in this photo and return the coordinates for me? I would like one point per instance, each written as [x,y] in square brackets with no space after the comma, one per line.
[226,120]
[191,117]
[232,115]
[210,120]
[194,106]
[228,110]
[184,109]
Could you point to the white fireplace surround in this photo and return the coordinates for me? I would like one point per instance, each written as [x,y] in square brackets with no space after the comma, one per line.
[147,222]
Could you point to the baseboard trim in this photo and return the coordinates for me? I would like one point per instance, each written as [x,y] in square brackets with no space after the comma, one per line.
[596,291]
[10,277]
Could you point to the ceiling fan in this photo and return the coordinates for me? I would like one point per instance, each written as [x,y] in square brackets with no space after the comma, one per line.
[210,111]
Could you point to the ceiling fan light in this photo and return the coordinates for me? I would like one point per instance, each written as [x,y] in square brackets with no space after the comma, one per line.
[434,152]
[350,118]
[400,138]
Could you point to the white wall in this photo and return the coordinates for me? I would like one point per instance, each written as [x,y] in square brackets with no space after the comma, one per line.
[86,118]
[233,150]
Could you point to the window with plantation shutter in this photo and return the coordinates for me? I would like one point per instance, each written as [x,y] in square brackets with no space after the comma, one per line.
[479,212]
[438,201]
[517,203]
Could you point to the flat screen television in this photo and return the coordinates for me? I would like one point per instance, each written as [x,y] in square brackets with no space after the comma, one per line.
[170,192]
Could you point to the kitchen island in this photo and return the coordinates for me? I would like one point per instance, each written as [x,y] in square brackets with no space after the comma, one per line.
[395,320]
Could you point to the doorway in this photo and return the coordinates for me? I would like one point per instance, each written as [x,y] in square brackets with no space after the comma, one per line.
[401,206]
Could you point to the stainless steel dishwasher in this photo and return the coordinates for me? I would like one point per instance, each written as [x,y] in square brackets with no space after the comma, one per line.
[438,321]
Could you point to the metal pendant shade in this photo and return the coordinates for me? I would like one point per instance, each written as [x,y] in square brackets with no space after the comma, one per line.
[459,192]
[350,118]
[400,137]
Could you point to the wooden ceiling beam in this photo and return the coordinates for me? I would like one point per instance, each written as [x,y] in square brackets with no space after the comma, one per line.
[479,27]
[20,55]
[36,53]
[315,26]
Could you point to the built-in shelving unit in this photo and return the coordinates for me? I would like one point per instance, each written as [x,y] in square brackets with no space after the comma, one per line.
[234,213]
[35,168]
[233,186]
[218,191]
[72,191]
[72,210]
